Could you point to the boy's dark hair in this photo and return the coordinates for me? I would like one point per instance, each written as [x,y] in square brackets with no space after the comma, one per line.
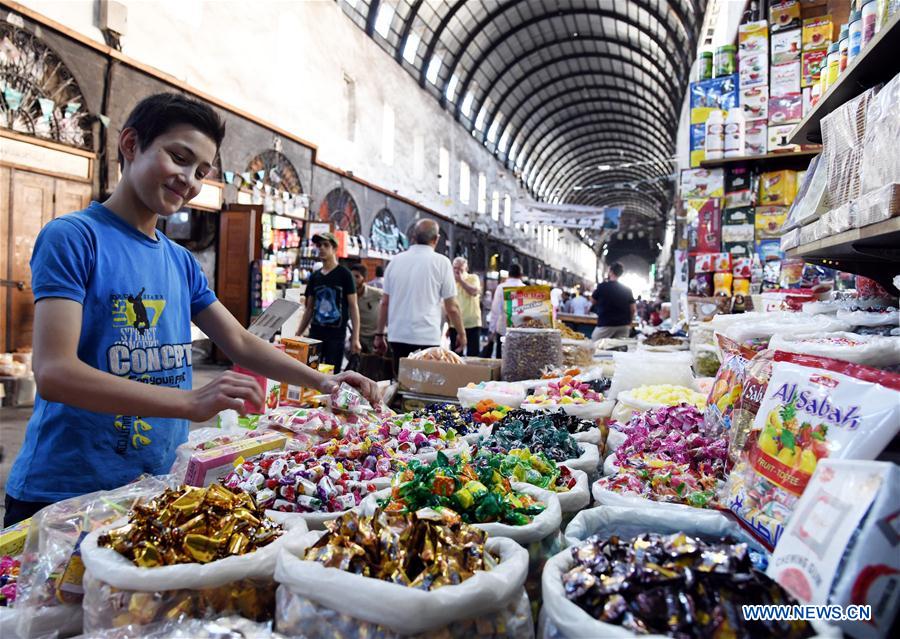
[156,114]
[360,268]
[515,270]
[616,269]
[379,271]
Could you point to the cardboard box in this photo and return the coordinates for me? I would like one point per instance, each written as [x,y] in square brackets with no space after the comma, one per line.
[306,351]
[785,109]
[817,33]
[443,379]
[784,15]
[786,46]
[785,79]
[755,102]
[12,539]
[702,183]
[739,250]
[769,220]
[737,233]
[756,137]
[754,70]
[270,388]
[708,216]
[753,39]
[208,466]
[778,138]
[777,188]
[743,215]
[811,66]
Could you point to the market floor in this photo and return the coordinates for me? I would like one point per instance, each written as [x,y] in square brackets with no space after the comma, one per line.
[14,420]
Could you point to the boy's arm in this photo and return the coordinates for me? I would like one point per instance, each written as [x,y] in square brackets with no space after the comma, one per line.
[308,304]
[251,352]
[62,377]
[353,305]
[380,337]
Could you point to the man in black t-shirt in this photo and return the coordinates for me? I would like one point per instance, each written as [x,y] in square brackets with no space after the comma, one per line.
[614,306]
[330,304]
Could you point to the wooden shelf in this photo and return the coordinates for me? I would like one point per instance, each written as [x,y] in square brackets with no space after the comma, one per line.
[769,159]
[872,251]
[878,62]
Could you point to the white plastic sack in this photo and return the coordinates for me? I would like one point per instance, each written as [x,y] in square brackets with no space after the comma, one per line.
[560,618]
[646,368]
[591,410]
[627,405]
[869,318]
[317,520]
[398,608]
[589,436]
[784,324]
[503,393]
[614,439]
[871,350]
[588,461]
[605,497]
[577,497]
[108,574]
[609,466]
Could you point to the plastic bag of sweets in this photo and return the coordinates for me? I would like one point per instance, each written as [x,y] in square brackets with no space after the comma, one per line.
[392,575]
[839,548]
[50,588]
[196,552]
[528,307]
[813,408]
[728,385]
[871,350]
[645,369]
[756,379]
[230,627]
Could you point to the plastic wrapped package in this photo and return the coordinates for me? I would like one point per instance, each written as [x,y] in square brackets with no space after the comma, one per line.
[790,239]
[231,627]
[878,205]
[577,353]
[841,218]
[843,135]
[808,232]
[50,588]
[502,393]
[783,323]
[315,601]
[859,317]
[870,350]
[645,369]
[810,200]
[880,163]
[526,352]
[117,592]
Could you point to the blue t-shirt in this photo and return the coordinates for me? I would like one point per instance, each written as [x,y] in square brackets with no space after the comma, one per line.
[138,296]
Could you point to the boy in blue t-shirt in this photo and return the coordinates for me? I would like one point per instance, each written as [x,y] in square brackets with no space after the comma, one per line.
[114,301]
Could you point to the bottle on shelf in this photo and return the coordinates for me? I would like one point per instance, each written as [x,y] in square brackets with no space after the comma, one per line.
[843,48]
[854,31]
[735,138]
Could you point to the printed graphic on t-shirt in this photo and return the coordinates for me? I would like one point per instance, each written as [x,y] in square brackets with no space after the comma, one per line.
[137,354]
[328,306]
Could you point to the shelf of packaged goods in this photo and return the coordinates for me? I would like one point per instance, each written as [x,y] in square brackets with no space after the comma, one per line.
[878,62]
[872,251]
[788,159]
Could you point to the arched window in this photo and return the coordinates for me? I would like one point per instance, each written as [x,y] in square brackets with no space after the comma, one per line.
[385,235]
[340,208]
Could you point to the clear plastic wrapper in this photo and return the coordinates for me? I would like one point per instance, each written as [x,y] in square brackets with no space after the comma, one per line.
[879,205]
[810,200]
[783,323]
[869,350]
[503,393]
[526,352]
[841,218]
[880,162]
[577,352]
[316,601]
[843,135]
[50,588]
[855,316]
[645,369]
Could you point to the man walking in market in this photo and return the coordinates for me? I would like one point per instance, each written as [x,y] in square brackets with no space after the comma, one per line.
[331,303]
[418,283]
[368,298]
[615,306]
[468,287]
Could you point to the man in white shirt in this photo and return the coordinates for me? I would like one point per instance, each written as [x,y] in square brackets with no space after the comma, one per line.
[579,305]
[498,314]
[417,284]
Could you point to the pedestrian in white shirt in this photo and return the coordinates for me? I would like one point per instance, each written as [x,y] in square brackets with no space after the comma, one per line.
[579,305]
[498,315]
[418,283]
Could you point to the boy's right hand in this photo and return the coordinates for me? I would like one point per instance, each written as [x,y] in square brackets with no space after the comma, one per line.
[229,390]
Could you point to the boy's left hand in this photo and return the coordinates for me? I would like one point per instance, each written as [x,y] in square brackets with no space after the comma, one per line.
[363,384]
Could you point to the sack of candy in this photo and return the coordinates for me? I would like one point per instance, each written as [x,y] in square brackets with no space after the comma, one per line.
[728,385]
[465,585]
[197,552]
[50,587]
[813,408]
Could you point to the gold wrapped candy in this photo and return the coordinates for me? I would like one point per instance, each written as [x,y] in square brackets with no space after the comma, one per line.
[426,549]
[192,525]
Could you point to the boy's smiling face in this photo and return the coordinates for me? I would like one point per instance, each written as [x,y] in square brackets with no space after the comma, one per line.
[168,172]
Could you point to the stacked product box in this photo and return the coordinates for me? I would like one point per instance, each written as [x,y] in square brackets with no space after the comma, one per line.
[706,97]
[702,193]
[815,39]
[785,96]
[753,63]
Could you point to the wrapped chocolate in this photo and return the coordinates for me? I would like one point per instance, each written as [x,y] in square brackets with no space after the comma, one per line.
[479,495]
[538,432]
[231,627]
[449,416]
[424,574]
[675,585]
[190,552]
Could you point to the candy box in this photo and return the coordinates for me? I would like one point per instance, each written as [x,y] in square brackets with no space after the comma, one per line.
[704,263]
[811,63]
[754,70]
[270,388]
[755,102]
[756,138]
[743,215]
[784,15]
[785,46]
[753,39]
[777,188]
[208,466]
[778,137]
[306,351]
[737,233]
[722,262]
[741,266]
[817,33]
[785,79]
[702,183]
[12,539]
[784,109]
[769,220]
[840,545]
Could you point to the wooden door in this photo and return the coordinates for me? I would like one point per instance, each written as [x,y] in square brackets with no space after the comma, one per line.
[238,247]
[70,196]
[32,207]
[5,174]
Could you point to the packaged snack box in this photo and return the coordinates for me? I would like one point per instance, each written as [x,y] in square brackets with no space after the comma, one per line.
[786,46]
[811,66]
[817,33]
[784,16]
[753,39]
[777,188]
[755,102]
